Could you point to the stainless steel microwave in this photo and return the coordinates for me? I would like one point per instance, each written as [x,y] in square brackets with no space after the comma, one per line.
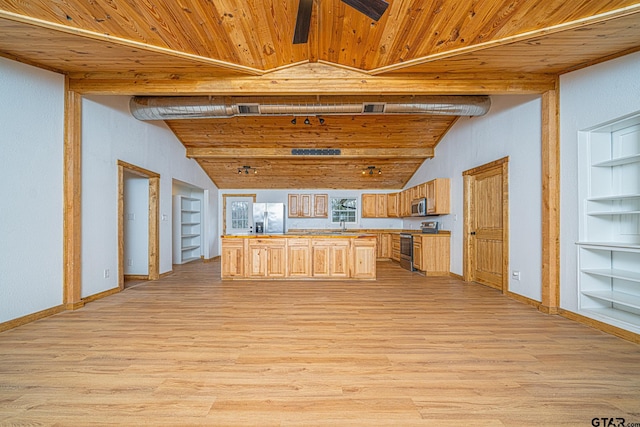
[419,207]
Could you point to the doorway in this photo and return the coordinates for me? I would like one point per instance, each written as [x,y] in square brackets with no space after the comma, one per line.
[237,213]
[486,224]
[152,179]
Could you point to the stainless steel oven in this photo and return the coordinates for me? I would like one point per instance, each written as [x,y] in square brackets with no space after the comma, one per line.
[406,251]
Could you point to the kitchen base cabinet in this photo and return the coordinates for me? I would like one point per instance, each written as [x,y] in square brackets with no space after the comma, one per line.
[232,265]
[299,257]
[395,247]
[431,253]
[384,245]
[266,258]
[364,259]
[330,258]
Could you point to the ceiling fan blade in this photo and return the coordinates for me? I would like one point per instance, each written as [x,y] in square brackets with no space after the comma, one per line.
[301,33]
[374,9]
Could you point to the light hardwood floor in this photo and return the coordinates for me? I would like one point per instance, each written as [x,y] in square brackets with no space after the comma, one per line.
[404,350]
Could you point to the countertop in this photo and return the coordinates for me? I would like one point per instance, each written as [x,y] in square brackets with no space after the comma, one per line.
[322,234]
[332,233]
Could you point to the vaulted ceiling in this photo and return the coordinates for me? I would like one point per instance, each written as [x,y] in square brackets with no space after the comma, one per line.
[244,48]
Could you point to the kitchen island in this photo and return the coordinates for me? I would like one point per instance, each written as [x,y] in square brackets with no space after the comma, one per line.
[299,256]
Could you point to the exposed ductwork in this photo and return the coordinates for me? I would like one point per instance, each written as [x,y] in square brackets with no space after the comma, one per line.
[204,107]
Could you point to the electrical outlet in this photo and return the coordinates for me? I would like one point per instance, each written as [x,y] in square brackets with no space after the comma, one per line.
[515,275]
[106,273]
[129,262]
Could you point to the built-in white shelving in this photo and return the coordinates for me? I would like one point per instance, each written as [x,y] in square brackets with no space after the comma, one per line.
[609,246]
[187,229]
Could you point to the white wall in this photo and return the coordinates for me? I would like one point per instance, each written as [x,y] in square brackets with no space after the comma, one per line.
[31,174]
[511,128]
[588,97]
[109,134]
[136,224]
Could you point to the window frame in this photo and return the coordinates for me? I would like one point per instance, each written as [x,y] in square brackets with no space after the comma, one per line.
[355,210]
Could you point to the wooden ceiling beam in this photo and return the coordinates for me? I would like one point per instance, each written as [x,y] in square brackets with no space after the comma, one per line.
[423,84]
[285,153]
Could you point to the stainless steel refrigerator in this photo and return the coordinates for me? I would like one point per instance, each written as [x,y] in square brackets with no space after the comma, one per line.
[268,217]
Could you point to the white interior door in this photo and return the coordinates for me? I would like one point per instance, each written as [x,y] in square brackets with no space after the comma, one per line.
[238,215]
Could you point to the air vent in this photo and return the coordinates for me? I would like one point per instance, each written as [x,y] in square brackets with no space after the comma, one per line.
[248,109]
[315,151]
[373,108]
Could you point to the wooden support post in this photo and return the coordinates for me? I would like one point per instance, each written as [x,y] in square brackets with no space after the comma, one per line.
[72,218]
[550,203]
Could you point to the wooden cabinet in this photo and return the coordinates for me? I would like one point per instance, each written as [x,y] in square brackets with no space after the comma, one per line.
[364,259]
[383,241]
[266,258]
[431,253]
[232,256]
[395,247]
[417,254]
[320,206]
[330,258]
[299,258]
[308,205]
[393,205]
[374,205]
[438,195]
[405,203]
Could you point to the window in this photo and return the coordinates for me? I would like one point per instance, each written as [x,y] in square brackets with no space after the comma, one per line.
[343,209]
[239,214]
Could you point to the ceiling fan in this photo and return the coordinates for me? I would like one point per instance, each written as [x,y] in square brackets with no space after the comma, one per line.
[372,8]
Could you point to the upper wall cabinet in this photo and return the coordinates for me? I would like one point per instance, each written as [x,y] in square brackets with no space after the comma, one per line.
[395,205]
[437,194]
[308,206]
[374,205]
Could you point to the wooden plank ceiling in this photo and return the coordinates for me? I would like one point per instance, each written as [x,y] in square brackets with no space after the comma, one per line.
[201,47]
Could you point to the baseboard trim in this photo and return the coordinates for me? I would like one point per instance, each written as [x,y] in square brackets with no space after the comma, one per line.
[456,276]
[10,324]
[165,274]
[215,258]
[101,295]
[526,300]
[136,277]
[601,326]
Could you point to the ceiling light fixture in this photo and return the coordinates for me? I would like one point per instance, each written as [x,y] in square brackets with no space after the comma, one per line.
[321,120]
[246,170]
[370,169]
[293,122]
[307,121]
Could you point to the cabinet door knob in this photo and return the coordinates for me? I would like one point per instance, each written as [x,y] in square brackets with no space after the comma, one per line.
[473,233]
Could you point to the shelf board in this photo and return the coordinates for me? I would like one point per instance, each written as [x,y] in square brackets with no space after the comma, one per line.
[615,297]
[613,197]
[189,248]
[605,213]
[186,260]
[618,161]
[612,246]
[184,236]
[612,313]
[190,223]
[189,211]
[613,273]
